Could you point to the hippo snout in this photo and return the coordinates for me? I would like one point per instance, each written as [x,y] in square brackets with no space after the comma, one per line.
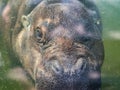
[65,65]
[64,57]
[61,73]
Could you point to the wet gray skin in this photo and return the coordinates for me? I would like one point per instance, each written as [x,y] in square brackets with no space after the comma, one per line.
[59,44]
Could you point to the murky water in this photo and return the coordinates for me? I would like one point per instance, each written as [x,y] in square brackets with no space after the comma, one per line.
[110,12]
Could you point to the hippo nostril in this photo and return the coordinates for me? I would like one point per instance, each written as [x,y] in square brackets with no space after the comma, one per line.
[56,67]
[80,64]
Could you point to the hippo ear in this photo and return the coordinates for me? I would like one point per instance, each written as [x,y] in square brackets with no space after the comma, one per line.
[25,21]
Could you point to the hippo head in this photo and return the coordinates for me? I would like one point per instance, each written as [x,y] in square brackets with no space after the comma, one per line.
[59,47]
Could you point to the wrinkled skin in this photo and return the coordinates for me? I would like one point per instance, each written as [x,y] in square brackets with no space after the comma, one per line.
[57,41]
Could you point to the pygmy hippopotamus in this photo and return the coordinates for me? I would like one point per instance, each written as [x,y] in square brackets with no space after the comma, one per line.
[58,42]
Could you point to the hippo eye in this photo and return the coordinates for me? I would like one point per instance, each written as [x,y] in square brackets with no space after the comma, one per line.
[38,33]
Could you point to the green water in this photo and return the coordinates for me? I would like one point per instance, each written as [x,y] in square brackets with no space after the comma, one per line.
[6,83]
[110,11]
